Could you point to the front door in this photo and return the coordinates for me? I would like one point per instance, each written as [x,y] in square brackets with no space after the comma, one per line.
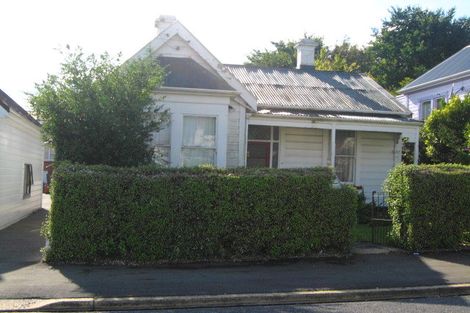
[258,154]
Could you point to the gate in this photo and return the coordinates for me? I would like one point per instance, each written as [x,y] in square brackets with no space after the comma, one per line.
[380,221]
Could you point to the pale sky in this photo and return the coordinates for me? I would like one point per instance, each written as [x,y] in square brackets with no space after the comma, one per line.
[31,32]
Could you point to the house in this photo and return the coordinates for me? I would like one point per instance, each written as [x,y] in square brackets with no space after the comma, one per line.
[21,161]
[427,92]
[240,115]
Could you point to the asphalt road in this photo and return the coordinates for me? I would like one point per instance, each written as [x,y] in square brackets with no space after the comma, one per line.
[428,305]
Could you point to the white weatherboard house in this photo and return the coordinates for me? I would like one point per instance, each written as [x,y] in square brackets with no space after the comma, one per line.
[450,77]
[21,161]
[238,115]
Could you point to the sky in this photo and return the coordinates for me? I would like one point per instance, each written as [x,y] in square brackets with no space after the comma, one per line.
[33,32]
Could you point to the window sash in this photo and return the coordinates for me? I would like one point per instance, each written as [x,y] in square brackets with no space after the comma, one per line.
[425,109]
[199,141]
[345,155]
[28,180]
[269,135]
[194,156]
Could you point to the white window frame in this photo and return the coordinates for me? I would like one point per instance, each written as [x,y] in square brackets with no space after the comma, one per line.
[271,142]
[353,156]
[199,147]
[421,111]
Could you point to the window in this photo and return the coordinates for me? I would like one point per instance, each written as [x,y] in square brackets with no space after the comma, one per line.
[440,102]
[28,180]
[345,155]
[162,146]
[425,109]
[198,141]
[263,146]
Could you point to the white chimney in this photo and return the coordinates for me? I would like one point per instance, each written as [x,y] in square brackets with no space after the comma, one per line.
[306,53]
[163,22]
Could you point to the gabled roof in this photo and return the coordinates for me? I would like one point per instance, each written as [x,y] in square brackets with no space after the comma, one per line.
[305,89]
[9,104]
[175,28]
[187,73]
[456,66]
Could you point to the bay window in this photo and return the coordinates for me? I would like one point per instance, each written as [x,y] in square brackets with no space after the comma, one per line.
[199,141]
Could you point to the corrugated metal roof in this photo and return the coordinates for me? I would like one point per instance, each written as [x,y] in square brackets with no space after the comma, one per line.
[454,65]
[336,116]
[187,73]
[284,88]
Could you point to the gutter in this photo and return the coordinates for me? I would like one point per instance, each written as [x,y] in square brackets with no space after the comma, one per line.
[198,91]
[334,119]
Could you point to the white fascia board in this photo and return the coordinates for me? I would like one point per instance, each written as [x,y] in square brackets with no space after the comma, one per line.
[439,81]
[178,29]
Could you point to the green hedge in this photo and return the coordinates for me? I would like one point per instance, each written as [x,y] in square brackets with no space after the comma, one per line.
[430,205]
[154,215]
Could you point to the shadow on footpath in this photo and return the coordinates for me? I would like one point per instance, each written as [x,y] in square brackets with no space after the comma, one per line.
[21,242]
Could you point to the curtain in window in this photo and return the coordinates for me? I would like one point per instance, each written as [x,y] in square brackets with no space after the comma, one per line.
[345,155]
[198,141]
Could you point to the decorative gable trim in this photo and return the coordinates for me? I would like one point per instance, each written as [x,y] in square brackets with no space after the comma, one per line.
[176,28]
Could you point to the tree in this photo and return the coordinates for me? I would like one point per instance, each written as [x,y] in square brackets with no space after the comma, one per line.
[344,57]
[412,41]
[446,132]
[284,54]
[96,111]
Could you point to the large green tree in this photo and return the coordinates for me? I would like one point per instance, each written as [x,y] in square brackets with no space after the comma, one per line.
[344,57]
[413,40]
[97,111]
[446,132]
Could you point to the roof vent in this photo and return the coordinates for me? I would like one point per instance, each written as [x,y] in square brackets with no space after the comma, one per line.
[164,21]
[306,53]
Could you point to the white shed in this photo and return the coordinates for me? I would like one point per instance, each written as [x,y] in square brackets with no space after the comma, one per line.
[21,162]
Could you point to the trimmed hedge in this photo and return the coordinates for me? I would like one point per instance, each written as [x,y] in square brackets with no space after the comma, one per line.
[429,205]
[156,215]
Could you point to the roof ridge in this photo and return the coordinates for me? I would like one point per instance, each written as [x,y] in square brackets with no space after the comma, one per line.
[289,69]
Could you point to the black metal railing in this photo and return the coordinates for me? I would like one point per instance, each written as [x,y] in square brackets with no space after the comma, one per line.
[380,221]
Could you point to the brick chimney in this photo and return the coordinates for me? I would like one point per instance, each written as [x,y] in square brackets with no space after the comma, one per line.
[306,53]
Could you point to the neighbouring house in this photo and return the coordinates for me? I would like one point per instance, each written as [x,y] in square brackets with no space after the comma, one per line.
[21,162]
[49,155]
[240,115]
[430,90]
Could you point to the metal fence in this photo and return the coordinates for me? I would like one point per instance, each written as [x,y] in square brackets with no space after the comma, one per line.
[380,221]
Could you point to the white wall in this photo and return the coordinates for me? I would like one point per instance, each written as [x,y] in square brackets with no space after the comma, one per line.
[20,143]
[377,153]
[181,105]
[413,99]
[302,147]
[236,135]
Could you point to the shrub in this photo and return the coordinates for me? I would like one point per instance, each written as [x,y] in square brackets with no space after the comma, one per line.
[429,205]
[156,215]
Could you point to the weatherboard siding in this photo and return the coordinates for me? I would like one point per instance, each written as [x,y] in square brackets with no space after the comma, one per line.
[414,99]
[233,135]
[20,144]
[301,147]
[377,153]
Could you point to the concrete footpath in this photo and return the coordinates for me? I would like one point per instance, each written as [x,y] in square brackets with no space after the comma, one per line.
[24,276]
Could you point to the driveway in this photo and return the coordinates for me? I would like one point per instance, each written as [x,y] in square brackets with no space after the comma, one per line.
[23,275]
